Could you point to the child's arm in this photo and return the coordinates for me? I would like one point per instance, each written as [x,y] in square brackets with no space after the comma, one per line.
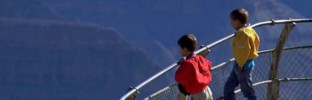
[205,52]
[185,73]
[242,50]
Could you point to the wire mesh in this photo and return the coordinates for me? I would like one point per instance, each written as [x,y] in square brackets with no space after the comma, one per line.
[168,93]
[301,90]
[260,93]
[260,73]
[294,62]
[271,22]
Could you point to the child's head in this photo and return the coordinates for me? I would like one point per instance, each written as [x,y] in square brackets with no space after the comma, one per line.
[239,17]
[187,44]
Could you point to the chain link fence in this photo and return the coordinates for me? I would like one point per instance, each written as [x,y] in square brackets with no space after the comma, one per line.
[221,72]
[295,63]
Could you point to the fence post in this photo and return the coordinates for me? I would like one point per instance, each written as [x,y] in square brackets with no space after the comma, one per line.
[273,88]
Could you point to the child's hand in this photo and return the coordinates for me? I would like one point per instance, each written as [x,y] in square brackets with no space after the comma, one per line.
[205,52]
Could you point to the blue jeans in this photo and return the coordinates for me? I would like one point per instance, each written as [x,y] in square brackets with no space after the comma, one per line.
[242,77]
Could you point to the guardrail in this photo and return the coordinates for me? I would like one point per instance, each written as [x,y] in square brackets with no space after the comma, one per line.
[294,58]
[134,91]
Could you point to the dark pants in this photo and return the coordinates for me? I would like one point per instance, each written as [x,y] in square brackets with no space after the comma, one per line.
[240,77]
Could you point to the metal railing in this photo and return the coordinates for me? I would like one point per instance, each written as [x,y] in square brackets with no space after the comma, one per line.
[279,80]
[221,71]
[134,91]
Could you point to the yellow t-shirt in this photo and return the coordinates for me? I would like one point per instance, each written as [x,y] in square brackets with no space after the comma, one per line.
[245,45]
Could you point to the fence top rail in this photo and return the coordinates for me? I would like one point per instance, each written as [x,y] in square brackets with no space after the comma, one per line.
[260,52]
[280,80]
[255,84]
[270,22]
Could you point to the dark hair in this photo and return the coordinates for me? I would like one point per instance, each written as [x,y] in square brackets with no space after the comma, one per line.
[240,14]
[188,41]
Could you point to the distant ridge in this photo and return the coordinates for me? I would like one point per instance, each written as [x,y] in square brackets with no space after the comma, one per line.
[63,60]
[28,9]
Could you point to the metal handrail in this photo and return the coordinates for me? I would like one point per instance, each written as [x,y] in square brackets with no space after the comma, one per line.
[280,80]
[260,52]
[270,81]
[162,90]
[270,22]
[221,65]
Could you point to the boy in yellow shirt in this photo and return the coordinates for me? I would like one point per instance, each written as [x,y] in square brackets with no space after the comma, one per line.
[245,47]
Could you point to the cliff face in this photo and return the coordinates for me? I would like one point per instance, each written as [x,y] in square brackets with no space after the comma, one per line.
[47,59]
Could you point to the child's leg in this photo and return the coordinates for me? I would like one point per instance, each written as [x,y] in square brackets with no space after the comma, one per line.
[204,95]
[210,93]
[181,96]
[245,81]
[230,85]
